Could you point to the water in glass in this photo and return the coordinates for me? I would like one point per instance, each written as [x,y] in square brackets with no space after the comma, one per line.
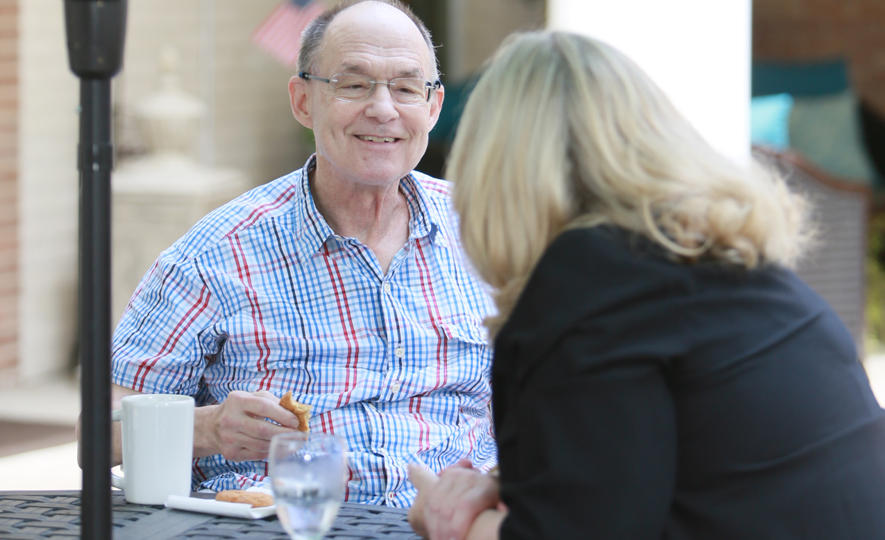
[307,474]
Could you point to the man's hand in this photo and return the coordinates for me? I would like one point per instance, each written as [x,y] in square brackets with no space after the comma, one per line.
[237,427]
[447,505]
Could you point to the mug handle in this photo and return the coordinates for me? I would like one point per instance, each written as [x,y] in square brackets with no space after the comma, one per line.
[118,482]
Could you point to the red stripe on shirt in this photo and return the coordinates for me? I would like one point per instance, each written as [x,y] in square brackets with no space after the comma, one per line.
[327,422]
[346,326]
[260,210]
[198,470]
[143,282]
[260,333]
[424,432]
[436,185]
[442,344]
[172,339]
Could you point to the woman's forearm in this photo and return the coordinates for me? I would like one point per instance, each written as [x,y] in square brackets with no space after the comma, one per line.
[486,525]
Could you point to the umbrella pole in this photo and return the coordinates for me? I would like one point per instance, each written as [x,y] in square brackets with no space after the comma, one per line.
[95,31]
[94,306]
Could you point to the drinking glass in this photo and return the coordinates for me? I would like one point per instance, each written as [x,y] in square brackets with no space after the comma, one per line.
[308,472]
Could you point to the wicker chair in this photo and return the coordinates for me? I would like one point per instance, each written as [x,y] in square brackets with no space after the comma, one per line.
[835,268]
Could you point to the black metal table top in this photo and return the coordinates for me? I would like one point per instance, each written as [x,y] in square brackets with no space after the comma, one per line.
[56,514]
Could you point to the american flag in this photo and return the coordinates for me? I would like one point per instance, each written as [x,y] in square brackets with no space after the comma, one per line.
[280,33]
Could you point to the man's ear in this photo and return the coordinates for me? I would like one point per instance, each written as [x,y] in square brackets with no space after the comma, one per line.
[298,100]
[436,101]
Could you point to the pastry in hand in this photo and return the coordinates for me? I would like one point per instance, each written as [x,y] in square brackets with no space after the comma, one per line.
[253,498]
[301,410]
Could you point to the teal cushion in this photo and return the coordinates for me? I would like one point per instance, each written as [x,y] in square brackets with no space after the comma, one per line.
[770,120]
[798,78]
[826,130]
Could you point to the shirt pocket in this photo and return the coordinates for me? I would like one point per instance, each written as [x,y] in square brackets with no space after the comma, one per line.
[468,360]
[470,332]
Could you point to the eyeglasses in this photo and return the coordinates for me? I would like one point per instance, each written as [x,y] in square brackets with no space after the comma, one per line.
[356,87]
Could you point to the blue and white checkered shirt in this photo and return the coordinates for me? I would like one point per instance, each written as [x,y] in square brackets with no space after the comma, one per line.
[261,294]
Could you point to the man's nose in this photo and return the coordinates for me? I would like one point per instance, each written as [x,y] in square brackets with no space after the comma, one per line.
[381,104]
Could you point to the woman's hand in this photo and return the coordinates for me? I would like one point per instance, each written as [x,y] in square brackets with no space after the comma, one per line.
[424,480]
[447,505]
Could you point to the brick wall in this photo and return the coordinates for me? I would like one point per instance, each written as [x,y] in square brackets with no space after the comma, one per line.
[8,184]
[816,29]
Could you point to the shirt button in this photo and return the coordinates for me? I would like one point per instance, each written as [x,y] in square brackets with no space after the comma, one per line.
[399,352]
[386,288]
[391,495]
[396,384]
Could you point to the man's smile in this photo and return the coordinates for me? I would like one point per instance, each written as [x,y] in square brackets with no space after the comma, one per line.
[376,139]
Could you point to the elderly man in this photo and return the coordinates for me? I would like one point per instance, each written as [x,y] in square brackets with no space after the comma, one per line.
[342,282]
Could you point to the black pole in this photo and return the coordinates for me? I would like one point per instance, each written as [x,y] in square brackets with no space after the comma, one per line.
[95,30]
[94,313]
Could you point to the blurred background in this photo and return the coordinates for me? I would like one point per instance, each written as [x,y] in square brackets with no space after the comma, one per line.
[201,114]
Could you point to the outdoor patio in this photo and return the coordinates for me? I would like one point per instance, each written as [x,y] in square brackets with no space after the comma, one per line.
[52,410]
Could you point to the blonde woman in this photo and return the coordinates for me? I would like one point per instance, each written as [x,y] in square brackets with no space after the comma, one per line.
[659,372]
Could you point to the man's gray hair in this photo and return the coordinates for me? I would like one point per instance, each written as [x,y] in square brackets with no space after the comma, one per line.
[312,37]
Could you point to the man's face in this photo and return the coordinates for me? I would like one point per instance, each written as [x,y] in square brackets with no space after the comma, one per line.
[374,141]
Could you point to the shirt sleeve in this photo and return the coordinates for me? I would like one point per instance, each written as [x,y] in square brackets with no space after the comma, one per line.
[597,449]
[163,340]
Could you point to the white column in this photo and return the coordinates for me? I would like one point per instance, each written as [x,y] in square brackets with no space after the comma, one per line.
[698,51]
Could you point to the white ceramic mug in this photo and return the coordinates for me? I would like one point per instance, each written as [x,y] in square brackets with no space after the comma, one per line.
[158,441]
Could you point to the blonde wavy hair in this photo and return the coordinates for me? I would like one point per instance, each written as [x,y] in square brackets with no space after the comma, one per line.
[565,131]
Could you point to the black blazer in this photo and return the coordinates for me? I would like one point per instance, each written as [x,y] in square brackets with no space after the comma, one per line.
[637,397]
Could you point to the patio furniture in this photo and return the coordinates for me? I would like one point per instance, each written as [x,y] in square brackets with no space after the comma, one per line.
[835,267]
[56,514]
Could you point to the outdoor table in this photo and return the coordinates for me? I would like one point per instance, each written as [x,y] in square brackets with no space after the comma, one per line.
[56,514]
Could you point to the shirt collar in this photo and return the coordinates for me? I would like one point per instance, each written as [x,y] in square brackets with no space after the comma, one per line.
[317,229]
[423,220]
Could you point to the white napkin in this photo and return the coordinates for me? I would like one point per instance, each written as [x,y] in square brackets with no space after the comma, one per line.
[211,506]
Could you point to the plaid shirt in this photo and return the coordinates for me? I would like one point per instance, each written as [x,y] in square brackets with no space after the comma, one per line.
[262,295]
